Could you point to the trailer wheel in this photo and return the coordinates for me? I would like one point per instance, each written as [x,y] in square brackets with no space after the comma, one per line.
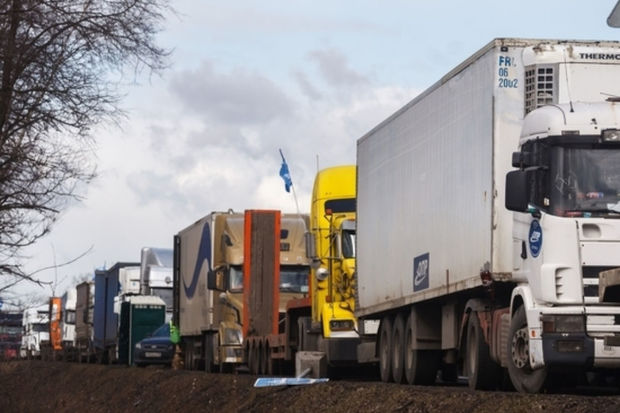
[420,365]
[190,359]
[398,349]
[252,361]
[207,346]
[385,349]
[262,356]
[483,373]
[524,379]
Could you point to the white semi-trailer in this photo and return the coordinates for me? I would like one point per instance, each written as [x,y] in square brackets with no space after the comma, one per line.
[489,220]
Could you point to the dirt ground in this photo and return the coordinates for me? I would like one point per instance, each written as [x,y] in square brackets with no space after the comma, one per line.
[36,386]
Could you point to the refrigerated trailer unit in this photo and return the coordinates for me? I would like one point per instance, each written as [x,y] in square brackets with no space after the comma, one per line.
[488,230]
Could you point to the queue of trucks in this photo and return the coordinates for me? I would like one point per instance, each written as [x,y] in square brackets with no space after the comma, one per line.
[103,319]
[478,235]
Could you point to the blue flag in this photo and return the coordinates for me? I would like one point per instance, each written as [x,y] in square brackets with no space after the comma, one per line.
[285,174]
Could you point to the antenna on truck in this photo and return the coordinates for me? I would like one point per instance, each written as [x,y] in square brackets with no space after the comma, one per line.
[570,99]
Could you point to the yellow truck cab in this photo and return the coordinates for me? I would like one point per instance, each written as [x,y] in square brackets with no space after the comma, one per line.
[332,251]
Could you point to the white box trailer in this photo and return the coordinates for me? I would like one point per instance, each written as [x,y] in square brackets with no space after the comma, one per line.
[435,240]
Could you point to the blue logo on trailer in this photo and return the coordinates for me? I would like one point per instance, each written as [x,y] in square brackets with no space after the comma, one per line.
[535,238]
[421,265]
[204,253]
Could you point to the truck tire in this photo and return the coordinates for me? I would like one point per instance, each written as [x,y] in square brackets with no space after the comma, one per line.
[307,340]
[398,349]
[189,359]
[523,378]
[268,360]
[254,361]
[262,353]
[208,353]
[420,365]
[249,356]
[483,373]
[385,349]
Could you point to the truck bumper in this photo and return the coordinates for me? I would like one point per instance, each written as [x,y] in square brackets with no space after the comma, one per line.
[574,349]
[231,354]
[579,350]
[340,350]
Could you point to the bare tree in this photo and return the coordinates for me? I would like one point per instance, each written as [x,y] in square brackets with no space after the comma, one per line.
[57,58]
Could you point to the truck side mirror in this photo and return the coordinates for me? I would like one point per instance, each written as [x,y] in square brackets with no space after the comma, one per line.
[517,191]
[310,246]
[217,280]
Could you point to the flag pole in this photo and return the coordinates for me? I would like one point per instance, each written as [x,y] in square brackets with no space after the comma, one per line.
[291,181]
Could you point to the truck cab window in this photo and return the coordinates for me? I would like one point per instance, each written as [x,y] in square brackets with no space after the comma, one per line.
[236,279]
[348,244]
[294,278]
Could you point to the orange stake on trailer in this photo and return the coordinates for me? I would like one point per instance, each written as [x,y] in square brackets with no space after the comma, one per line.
[55,317]
[261,272]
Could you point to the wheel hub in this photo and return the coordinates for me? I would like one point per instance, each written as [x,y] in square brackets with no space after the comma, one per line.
[520,348]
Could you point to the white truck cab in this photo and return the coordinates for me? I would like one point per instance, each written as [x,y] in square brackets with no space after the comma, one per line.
[566,241]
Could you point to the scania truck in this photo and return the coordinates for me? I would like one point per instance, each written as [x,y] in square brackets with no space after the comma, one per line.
[488,220]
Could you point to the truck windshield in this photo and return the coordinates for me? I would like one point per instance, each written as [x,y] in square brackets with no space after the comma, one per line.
[165,294]
[585,181]
[294,278]
[348,244]
[70,316]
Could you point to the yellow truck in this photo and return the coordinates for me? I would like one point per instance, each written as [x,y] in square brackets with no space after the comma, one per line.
[331,330]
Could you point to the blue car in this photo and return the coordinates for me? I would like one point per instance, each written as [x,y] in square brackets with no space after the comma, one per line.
[155,349]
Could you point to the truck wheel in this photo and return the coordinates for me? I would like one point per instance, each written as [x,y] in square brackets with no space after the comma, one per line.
[268,360]
[208,353]
[250,356]
[420,365]
[189,355]
[262,357]
[385,349]
[398,349]
[255,350]
[307,340]
[524,379]
[483,373]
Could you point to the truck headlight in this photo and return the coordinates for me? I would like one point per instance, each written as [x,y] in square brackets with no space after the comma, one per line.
[563,324]
[138,346]
[611,135]
[321,274]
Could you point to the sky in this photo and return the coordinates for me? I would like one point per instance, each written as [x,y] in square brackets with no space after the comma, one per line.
[248,78]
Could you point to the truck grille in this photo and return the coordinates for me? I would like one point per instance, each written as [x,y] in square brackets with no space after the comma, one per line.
[591,282]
